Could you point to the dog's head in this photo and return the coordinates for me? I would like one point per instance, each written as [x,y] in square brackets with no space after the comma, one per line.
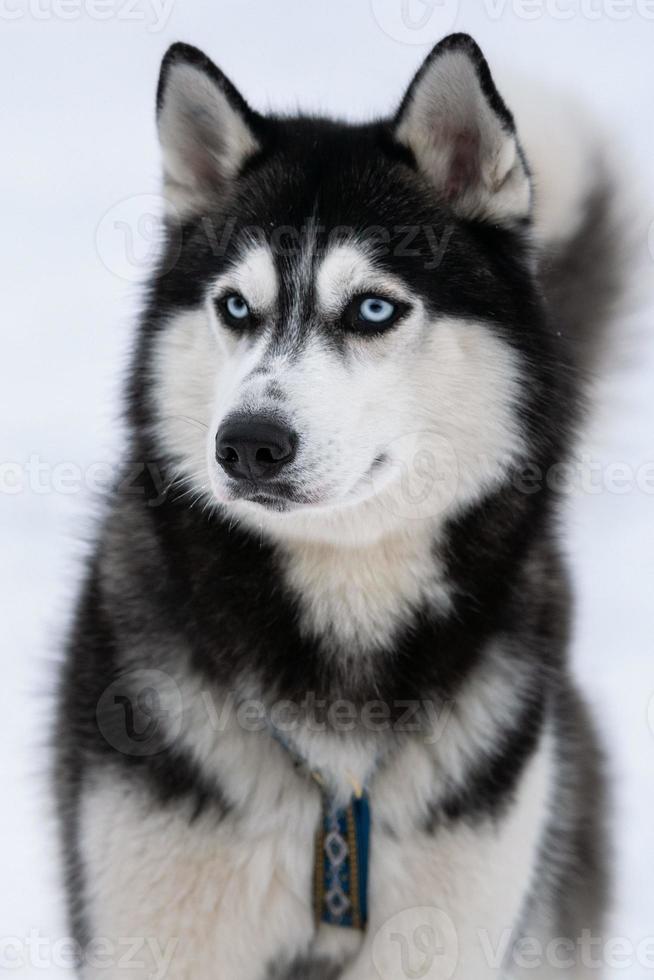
[342,313]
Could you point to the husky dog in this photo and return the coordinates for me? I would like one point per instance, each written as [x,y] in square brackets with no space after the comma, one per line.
[330,570]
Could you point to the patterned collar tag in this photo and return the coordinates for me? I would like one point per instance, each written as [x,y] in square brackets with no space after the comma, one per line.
[341,864]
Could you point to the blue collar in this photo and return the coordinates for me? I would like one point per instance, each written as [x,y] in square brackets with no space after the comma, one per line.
[341,864]
[342,853]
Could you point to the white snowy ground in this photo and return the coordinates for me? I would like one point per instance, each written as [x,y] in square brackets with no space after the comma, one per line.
[78,138]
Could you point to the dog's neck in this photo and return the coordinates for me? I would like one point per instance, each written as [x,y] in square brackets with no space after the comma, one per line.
[357,597]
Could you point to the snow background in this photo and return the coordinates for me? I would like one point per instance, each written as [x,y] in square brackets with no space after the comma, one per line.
[78,138]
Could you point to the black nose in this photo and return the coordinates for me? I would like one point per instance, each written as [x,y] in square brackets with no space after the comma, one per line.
[254,449]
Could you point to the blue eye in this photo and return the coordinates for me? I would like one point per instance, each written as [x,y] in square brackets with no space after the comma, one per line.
[236,307]
[376,310]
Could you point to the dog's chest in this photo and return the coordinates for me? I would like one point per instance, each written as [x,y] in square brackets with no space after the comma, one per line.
[359,598]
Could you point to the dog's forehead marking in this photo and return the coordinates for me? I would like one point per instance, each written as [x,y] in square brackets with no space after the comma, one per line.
[347,269]
[254,275]
[299,279]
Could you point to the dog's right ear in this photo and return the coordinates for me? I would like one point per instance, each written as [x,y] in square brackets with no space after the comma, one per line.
[206,129]
[463,137]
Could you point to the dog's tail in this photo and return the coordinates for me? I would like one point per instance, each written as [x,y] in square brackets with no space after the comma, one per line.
[579,220]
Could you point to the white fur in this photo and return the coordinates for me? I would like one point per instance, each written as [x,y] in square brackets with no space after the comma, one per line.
[348,269]
[227,896]
[361,596]
[184,365]
[225,903]
[254,277]
[468,884]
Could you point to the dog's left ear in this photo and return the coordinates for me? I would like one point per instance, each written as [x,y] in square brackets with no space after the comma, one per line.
[462,135]
[206,129]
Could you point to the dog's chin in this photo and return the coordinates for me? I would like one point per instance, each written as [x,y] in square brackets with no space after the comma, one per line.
[272,503]
[281,498]
[288,499]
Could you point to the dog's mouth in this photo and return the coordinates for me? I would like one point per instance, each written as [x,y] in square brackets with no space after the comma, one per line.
[270,502]
[277,497]
[285,497]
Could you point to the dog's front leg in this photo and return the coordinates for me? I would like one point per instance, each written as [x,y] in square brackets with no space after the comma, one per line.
[444,903]
[173,893]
